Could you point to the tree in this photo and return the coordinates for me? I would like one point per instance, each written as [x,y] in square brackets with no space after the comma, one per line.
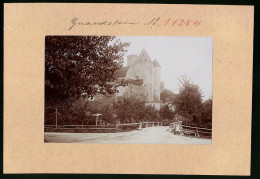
[130,109]
[207,112]
[71,114]
[98,106]
[167,95]
[166,113]
[188,102]
[77,65]
[151,114]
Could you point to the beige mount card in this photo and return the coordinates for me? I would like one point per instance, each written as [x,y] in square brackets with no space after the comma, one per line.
[25,28]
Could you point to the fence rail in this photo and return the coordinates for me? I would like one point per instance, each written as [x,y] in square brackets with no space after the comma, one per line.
[196,127]
[178,128]
[128,124]
[81,126]
[117,127]
[77,125]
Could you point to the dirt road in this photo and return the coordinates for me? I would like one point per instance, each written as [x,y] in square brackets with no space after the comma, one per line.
[151,135]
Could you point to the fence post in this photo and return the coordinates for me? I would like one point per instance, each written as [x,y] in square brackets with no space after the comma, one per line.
[116,127]
[140,125]
[56,117]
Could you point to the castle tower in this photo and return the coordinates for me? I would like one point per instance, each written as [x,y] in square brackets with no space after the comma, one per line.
[131,59]
[142,68]
[157,81]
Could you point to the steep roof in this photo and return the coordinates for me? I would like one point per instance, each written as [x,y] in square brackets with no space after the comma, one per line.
[144,55]
[156,64]
[121,72]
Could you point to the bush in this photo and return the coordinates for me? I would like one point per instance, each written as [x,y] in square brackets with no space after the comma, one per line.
[124,128]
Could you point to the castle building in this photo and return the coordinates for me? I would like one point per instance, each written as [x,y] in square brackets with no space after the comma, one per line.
[143,76]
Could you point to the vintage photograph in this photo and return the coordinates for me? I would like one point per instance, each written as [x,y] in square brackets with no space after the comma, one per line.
[128,89]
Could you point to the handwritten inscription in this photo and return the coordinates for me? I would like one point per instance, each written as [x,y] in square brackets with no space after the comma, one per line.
[76,22]
[154,22]
[182,22]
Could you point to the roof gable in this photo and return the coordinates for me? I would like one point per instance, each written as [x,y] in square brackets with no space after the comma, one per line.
[143,57]
[156,64]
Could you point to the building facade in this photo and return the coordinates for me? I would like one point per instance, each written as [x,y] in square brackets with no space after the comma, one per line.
[143,77]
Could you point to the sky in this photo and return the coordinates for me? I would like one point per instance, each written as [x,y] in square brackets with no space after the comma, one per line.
[190,56]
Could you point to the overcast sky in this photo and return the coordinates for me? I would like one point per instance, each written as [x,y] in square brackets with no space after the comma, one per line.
[178,56]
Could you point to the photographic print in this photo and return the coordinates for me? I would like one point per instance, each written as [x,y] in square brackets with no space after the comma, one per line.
[127,98]
[135,89]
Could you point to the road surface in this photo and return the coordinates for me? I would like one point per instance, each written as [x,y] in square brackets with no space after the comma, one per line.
[150,135]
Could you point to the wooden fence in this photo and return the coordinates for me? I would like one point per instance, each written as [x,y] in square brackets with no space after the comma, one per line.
[190,130]
[113,127]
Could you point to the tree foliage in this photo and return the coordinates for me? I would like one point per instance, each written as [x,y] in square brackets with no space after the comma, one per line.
[76,65]
[190,106]
[188,102]
[135,109]
[98,106]
[166,112]
[130,109]
[167,95]
[207,112]
[151,114]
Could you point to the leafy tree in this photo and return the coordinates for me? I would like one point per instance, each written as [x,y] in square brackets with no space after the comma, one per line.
[151,114]
[76,65]
[167,95]
[81,112]
[71,114]
[188,102]
[107,115]
[98,106]
[207,112]
[130,109]
[166,113]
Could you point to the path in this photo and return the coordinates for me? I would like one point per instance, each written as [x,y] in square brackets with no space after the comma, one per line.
[150,135]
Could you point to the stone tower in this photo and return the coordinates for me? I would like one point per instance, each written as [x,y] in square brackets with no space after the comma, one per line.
[142,68]
[157,81]
[131,59]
